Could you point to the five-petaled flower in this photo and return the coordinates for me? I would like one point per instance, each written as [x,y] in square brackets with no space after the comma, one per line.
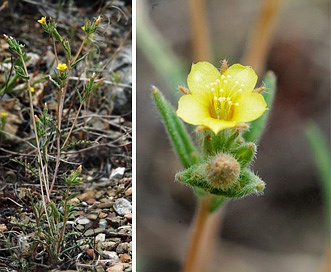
[62,66]
[42,21]
[218,101]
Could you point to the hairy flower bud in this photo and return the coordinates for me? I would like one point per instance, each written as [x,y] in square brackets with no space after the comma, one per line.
[223,171]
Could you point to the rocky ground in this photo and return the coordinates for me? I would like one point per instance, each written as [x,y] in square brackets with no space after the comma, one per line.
[99,231]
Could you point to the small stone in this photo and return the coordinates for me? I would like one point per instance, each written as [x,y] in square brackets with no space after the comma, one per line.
[117,173]
[92,216]
[103,223]
[83,221]
[125,258]
[80,227]
[114,221]
[106,205]
[122,206]
[90,201]
[116,268]
[109,245]
[128,192]
[86,195]
[122,248]
[75,201]
[111,255]
[128,216]
[103,215]
[101,237]
[79,213]
[3,228]
[91,232]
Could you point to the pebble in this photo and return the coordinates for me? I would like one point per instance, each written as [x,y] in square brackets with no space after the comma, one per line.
[128,216]
[92,216]
[115,221]
[111,255]
[83,221]
[109,245]
[122,248]
[125,258]
[116,268]
[128,192]
[117,173]
[101,237]
[103,223]
[86,195]
[122,206]
[106,205]
[92,232]
[103,215]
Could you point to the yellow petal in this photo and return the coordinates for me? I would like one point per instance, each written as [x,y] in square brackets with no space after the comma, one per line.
[251,106]
[202,74]
[239,76]
[191,110]
[217,125]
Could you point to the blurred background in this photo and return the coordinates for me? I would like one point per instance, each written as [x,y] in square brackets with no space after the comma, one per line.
[286,228]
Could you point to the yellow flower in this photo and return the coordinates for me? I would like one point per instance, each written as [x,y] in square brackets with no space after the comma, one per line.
[62,66]
[42,21]
[31,89]
[219,101]
[98,20]
[83,28]
[3,114]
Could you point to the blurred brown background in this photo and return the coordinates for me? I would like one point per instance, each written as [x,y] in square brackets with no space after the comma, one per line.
[283,230]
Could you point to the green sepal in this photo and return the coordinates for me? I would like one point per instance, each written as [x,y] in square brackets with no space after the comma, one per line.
[257,127]
[245,154]
[182,142]
[248,182]
[221,142]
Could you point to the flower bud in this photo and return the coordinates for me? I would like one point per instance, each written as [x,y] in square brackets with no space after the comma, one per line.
[223,171]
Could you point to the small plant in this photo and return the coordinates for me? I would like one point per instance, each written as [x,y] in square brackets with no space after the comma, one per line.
[51,239]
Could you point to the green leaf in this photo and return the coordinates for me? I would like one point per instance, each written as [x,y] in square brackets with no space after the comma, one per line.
[320,151]
[182,142]
[79,60]
[257,127]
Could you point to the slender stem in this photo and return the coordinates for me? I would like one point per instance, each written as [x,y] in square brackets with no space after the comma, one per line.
[42,176]
[262,36]
[204,231]
[65,219]
[79,50]
[61,97]
[73,125]
[200,30]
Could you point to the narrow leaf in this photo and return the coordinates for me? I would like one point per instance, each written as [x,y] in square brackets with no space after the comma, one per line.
[179,136]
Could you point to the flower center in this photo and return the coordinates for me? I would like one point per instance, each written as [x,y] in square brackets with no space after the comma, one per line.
[224,94]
